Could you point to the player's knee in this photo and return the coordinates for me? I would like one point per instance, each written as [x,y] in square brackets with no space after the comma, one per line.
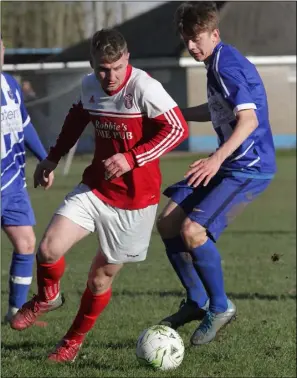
[170,220]
[48,250]
[162,226]
[166,227]
[193,234]
[25,244]
[99,284]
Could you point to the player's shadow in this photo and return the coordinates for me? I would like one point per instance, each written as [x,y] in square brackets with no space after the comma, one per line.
[269,297]
[261,232]
[27,350]
[231,295]
[26,346]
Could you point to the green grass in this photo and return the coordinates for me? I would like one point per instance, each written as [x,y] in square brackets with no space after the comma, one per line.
[260,343]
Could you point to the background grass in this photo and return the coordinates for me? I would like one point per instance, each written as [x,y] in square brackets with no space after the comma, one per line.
[260,343]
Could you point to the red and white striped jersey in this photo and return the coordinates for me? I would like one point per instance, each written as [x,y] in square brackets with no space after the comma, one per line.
[139,119]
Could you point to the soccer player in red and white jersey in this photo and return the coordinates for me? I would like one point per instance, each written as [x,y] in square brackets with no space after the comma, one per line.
[135,121]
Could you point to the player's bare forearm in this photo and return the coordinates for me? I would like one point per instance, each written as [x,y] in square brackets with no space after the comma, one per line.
[202,170]
[247,123]
[198,113]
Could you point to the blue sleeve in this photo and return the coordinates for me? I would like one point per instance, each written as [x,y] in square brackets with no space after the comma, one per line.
[25,116]
[33,143]
[234,85]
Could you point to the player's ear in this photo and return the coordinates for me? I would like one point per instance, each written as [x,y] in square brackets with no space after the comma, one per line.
[127,55]
[216,34]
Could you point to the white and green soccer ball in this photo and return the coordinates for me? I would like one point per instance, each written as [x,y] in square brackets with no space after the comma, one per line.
[160,347]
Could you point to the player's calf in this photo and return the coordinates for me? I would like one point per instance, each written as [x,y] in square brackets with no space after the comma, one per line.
[91,307]
[193,234]
[170,220]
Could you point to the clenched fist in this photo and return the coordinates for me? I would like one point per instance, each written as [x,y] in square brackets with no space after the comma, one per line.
[44,175]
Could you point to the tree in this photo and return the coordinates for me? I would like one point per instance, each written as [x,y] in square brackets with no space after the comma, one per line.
[42,24]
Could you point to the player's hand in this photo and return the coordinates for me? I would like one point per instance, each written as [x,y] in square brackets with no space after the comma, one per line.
[203,170]
[50,180]
[44,175]
[116,166]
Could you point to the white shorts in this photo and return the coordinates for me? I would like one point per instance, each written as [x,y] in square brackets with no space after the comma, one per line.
[124,235]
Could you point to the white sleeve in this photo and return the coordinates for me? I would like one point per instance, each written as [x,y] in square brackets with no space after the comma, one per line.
[155,100]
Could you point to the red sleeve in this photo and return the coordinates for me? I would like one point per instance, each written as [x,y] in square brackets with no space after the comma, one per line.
[74,124]
[172,130]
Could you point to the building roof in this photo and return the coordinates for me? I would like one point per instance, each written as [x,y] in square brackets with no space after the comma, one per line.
[255,28]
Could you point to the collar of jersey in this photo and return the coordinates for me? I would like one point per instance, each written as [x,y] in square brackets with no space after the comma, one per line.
[215,50]
[127,77]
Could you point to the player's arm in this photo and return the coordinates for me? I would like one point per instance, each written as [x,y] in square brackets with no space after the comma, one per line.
[237,92]
[31,138]
[198,113]
[33,143]
[170,129]
[166,118]
[247,122]
[74,124]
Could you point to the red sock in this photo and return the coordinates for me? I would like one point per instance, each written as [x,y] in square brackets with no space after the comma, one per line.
[91,307]
[48,279]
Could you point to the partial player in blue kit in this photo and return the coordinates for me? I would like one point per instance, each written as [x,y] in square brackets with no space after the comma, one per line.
[215,189]
[17,216]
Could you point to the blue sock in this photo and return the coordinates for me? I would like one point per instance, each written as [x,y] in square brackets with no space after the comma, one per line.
[207,261]
[185,270]
[20,278]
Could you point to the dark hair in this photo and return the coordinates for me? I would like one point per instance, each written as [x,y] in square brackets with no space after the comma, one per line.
[196,17]
[109,43]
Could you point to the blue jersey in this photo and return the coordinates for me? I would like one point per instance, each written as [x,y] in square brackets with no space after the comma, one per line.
[14,118]
[233,84]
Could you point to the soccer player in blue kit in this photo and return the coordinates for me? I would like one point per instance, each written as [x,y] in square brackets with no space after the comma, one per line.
[17,216]
[216,188]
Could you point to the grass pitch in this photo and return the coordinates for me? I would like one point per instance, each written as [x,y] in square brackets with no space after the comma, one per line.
[258,253]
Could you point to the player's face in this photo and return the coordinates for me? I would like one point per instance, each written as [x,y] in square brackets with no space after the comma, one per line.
[202,44]
[2,49]
[110,75]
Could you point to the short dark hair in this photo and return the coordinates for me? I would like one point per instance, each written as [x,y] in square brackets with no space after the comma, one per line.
[109,43]
[196,17]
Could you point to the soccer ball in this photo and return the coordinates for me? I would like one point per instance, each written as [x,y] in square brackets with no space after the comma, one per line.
[160,347]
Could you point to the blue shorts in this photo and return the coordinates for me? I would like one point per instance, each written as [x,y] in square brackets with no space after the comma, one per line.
[216,205]
[16,209]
